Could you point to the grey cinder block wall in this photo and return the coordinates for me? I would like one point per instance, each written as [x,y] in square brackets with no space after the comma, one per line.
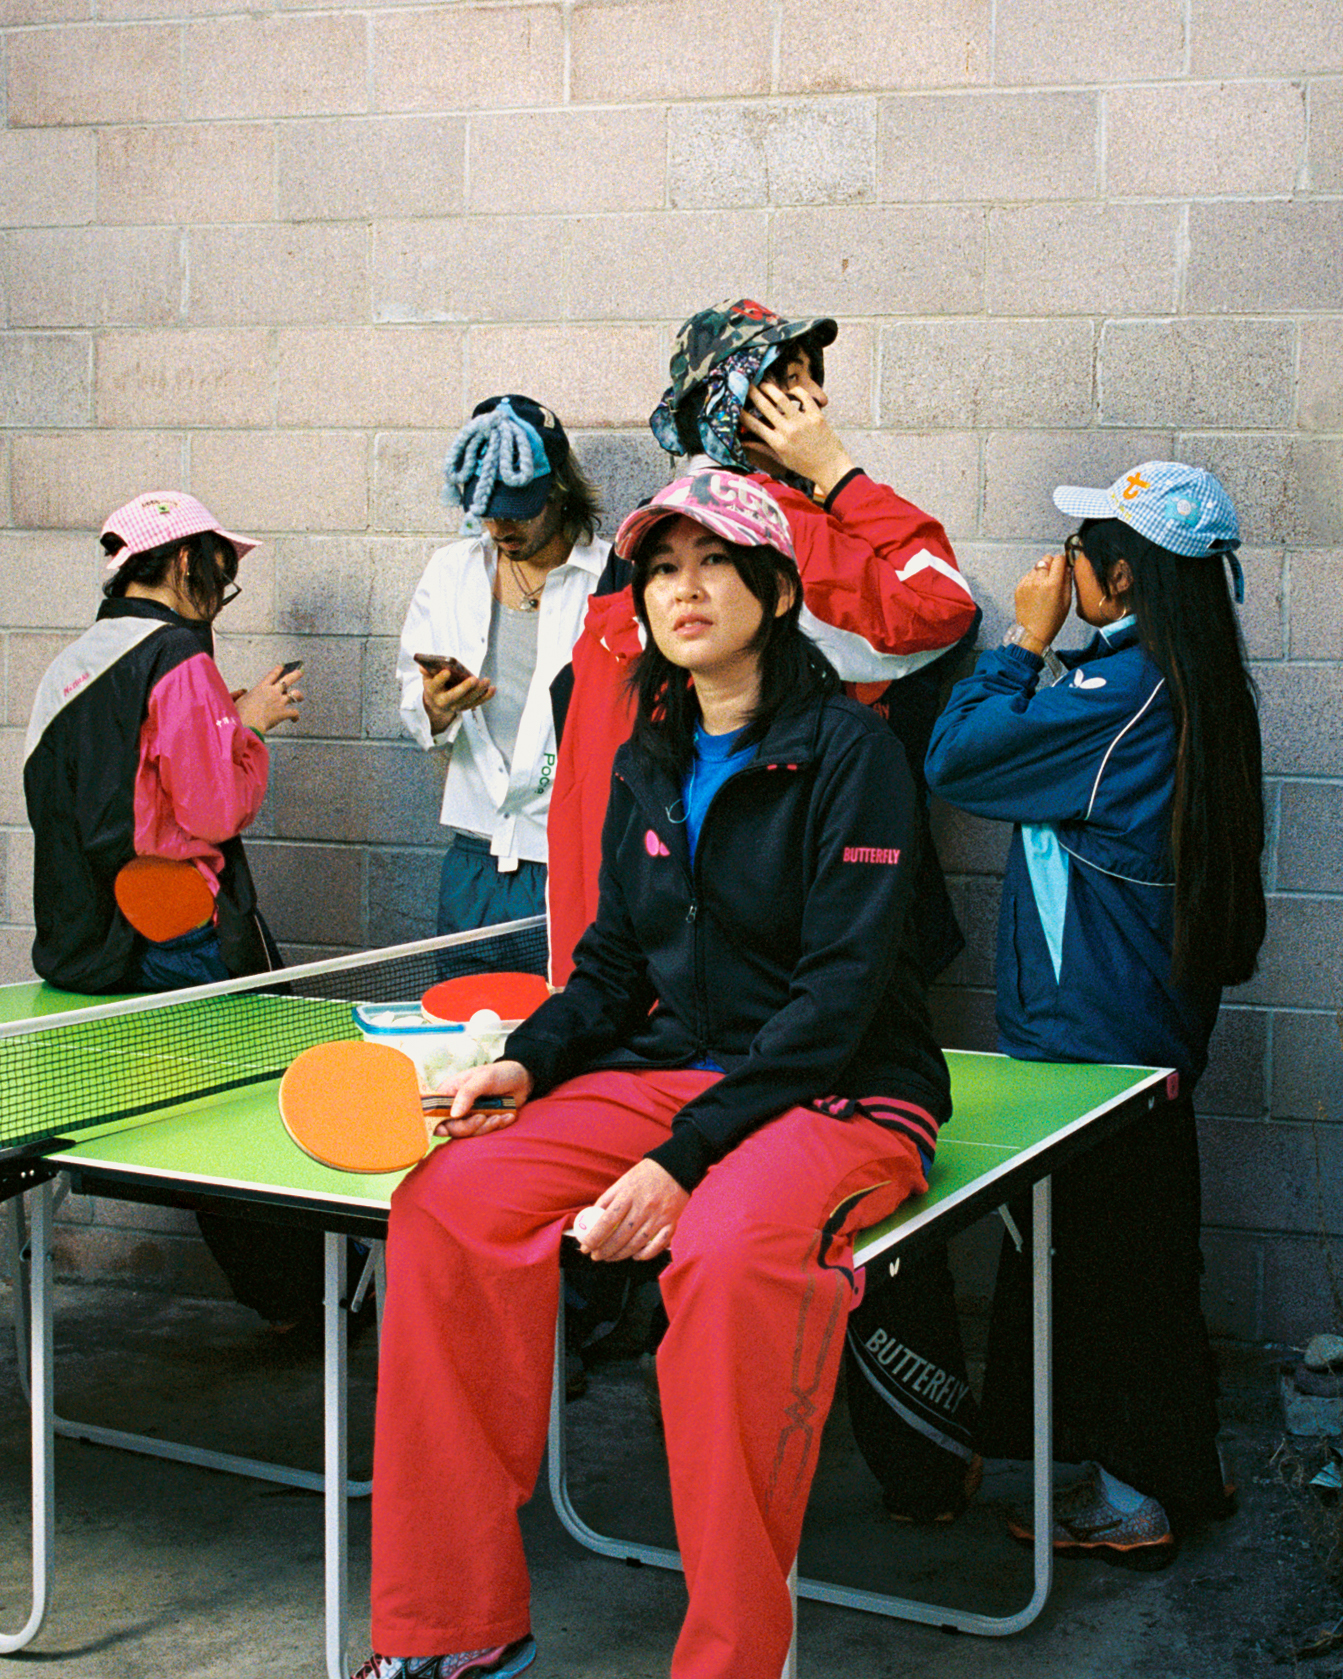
[274,256]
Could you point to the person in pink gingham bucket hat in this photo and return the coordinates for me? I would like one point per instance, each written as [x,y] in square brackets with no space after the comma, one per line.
[162,516]
[137,750]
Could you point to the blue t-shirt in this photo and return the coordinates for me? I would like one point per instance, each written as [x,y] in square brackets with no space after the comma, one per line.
[711,766]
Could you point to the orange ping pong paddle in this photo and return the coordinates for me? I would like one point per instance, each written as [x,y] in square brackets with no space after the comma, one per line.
[357,1107]
[163,897]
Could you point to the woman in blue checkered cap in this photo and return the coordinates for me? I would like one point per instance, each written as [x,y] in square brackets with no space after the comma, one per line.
[1132,896]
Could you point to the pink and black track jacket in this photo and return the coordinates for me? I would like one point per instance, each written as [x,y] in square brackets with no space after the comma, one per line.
[135,749]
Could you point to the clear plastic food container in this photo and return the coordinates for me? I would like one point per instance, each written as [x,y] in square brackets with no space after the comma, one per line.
[438,1050]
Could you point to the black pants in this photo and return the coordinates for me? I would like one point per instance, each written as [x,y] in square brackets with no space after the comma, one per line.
[1134,1379]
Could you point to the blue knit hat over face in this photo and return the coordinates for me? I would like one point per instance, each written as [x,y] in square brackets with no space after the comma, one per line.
[1181,508]
[501,464]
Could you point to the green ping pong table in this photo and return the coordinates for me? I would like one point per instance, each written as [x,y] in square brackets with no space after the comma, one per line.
[226,1144]
[1014,1123]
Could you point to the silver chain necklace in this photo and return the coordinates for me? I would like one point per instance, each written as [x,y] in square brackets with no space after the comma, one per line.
[531,598]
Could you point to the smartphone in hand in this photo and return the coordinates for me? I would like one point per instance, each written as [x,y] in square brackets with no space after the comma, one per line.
[434,663]
[290,668]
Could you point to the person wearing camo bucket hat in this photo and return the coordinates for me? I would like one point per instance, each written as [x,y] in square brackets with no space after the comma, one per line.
[740,1074]
[883,596]
[718,356]
[1131,770]
[492,621]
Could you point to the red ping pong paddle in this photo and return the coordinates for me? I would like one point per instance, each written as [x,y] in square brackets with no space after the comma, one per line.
[512,996]
[357,1107]
[163,897]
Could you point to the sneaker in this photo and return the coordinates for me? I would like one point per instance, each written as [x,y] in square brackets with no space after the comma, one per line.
[498,1662]
[1087,1524]
[1077,1496]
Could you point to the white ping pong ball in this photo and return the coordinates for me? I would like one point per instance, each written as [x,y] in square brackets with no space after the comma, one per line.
[484,1020]
[586,1219]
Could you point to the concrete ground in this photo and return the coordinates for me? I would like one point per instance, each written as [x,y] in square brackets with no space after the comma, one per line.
[167,1570]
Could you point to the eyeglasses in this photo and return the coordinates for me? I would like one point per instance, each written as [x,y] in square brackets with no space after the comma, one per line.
[1072,548]
[229,595]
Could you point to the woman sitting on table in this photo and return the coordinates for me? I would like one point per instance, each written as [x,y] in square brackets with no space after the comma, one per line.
[740,1072]
[1132,897]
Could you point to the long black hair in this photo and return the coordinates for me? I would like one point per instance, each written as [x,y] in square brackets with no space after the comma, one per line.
[1188,628]
[581,508]
[793,670]
[212,565]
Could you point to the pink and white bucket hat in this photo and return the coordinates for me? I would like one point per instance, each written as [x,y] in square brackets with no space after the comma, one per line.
[163,516]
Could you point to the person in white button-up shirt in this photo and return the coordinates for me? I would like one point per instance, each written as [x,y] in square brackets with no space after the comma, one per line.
[506,604]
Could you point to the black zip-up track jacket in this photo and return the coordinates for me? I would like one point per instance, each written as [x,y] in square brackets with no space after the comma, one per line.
[79,779]
[782,955]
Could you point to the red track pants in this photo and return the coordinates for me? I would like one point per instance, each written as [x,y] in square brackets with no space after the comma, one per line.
[757,1293]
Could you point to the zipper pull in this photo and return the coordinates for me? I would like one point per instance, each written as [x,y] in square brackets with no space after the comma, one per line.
[690,913]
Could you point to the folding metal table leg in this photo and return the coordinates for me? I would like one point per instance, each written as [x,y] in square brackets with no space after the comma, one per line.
[39,1340]
[965,1620]
[1042,1287]
[627,1550]
[850,1597]
[790,1660]
[202,1457]
[335,1413]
